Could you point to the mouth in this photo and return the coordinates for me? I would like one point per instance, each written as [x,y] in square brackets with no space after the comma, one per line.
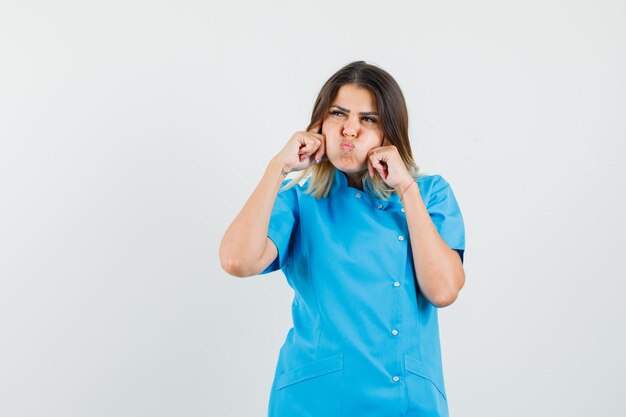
[347,146]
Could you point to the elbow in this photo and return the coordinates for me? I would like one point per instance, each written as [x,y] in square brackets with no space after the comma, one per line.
[234,267]
[445,297]
[234,264]
[444,300]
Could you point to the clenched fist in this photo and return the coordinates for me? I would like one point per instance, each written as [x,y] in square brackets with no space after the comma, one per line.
[303,150]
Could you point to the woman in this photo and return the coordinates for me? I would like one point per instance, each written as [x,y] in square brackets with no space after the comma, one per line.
[371,248]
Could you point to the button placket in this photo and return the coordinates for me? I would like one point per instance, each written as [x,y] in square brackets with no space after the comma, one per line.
[395,283]
[397,320]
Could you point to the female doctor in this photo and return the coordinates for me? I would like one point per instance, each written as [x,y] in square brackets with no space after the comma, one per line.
[371,247]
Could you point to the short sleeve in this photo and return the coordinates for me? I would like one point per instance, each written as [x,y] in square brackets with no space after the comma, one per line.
[282,225]
[445,214]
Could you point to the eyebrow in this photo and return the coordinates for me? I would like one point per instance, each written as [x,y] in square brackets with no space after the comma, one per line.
[367,113]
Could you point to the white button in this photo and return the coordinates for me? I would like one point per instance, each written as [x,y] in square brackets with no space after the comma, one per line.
[395,379]
[396,284]
[394,332]
[380,206]
[358,195]
[400,237]
[402,209]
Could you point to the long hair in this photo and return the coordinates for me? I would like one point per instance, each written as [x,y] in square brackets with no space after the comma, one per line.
[393,116]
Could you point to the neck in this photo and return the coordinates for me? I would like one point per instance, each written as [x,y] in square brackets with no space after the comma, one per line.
[354,181]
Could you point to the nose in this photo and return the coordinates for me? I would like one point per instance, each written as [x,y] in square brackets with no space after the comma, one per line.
[350,128]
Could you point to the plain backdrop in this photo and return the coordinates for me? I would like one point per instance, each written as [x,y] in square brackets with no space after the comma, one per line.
[132,132]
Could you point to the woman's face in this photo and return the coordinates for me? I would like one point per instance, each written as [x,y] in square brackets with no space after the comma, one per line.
[352,128]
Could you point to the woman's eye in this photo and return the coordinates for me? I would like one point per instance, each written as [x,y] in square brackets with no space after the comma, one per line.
[336,113]
[369,119]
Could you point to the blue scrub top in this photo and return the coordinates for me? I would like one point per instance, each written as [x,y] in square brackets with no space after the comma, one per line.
[364,341]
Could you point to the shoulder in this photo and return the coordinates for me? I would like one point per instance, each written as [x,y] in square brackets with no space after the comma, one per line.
[433,187]
[290,194]
[290,188]
[430,180]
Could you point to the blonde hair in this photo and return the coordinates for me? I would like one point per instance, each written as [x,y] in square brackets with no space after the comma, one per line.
[321,177]
[394,121]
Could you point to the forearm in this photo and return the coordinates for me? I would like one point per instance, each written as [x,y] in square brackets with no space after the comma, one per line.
[244,242]
[439,270]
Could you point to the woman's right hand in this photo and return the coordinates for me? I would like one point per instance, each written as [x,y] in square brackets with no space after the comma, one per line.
[303,149]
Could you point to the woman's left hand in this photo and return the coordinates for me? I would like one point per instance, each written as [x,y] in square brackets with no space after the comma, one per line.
[387,162]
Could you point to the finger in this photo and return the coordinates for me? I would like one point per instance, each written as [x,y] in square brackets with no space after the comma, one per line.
[316,150]
[374,152]
[309,147]
[375,161]
[378,166]
[315,127]
[321,150]
[373,155]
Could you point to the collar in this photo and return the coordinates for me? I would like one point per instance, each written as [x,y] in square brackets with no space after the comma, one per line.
[340,185]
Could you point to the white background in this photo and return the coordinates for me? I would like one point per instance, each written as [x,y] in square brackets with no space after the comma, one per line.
[133,131]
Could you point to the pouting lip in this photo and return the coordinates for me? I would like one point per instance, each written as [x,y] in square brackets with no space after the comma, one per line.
[348,144]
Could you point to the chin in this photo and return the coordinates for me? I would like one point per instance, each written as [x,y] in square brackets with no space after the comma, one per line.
[349,168]
[346,163]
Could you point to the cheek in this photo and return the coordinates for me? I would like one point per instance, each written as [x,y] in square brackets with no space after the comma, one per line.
[330,132]
[325,128]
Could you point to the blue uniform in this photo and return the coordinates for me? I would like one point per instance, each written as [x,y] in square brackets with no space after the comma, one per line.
[364,341]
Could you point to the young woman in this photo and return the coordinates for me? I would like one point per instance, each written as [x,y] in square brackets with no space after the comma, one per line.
[371,248]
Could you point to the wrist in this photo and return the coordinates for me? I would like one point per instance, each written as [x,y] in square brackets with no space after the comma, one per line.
[280,166]
[403,189]
[403,185]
